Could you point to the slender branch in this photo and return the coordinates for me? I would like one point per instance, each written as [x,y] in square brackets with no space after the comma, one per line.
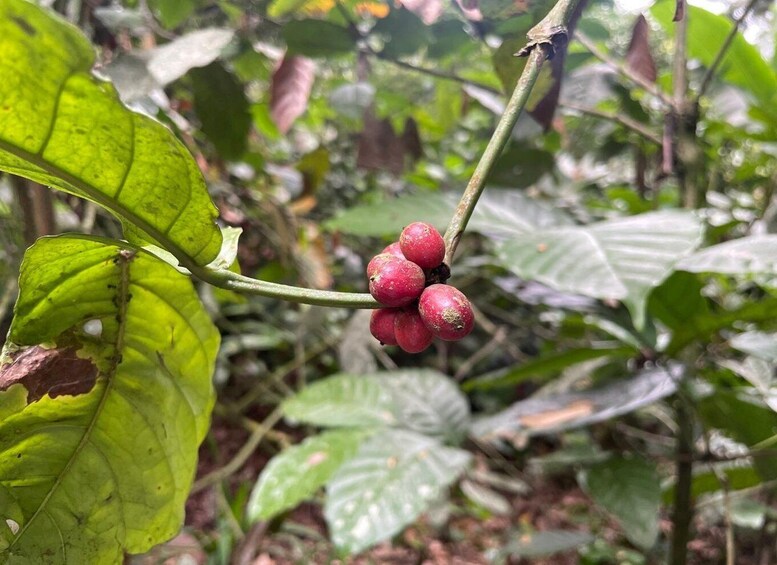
[496,144]
[683,509]
[241,456]
[713,68]
[622,69]
[625,121]
[544,38]
[228,280]
[434,73]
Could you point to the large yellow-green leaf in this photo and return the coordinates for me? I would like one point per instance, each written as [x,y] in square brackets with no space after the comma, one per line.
[105,395]
[62,127]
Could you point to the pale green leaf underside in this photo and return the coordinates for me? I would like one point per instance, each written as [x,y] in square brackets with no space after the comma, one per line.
[298,472]
[106,469]
[745,256]
[394,476]
[420,400]
[629,489]
[500,213]
[618,259]
[62,127]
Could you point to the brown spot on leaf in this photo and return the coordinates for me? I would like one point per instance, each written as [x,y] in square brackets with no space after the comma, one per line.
[55,372]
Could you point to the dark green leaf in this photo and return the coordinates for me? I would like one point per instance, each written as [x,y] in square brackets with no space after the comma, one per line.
[544,366]
[678,302]
[744,419]
[742,65]
[108,416]
[172,13]
[222,108]
[521,166]
[404,33]
[630,490]
[318,38]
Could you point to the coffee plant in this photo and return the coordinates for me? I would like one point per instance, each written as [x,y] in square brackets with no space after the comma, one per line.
[551,230]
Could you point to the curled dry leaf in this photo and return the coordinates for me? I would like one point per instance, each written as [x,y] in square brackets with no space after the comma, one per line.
[638,57]
[290,90]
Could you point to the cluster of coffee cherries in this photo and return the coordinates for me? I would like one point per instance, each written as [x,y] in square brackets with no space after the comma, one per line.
[408,279]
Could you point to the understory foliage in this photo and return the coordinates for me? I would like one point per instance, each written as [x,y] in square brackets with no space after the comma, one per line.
[223,171]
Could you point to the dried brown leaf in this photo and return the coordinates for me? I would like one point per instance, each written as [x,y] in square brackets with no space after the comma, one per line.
[638,57]
[290,90]
[379,146]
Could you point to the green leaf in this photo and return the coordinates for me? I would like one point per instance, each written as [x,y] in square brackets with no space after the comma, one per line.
[404,32]
[742,65]
[64,128]
[542,544]
[744,419]
[318,38]
[11,517]
[415,399]
[543,366]
[705,325]
[343,400]
[678,302]
[394,477]
[500,213]
[521,166]
[114,353]
[550,414]
[222,108]
[621,259]
[738,477]
[172,13]
[298,472]
[280,8]
[630,490]
[744,256]
[427,402]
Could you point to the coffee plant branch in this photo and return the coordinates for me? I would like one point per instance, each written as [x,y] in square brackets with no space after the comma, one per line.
[550,34]
[622,69]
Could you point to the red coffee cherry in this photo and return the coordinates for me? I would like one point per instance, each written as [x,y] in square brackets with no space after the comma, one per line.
[382,325]
[446,312]
[411,333]
[422,244]
[394,249]
[394,281]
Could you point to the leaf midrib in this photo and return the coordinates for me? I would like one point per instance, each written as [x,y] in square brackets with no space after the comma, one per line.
[101,198]
[122,293]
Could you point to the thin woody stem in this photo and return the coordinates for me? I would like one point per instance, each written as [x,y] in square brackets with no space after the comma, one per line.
[543,39]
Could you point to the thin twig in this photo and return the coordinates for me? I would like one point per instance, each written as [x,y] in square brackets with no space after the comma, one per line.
[708,76]
[242,455]
[544,38]
[492,152]
[622,69]
[435,73]
[625,121]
